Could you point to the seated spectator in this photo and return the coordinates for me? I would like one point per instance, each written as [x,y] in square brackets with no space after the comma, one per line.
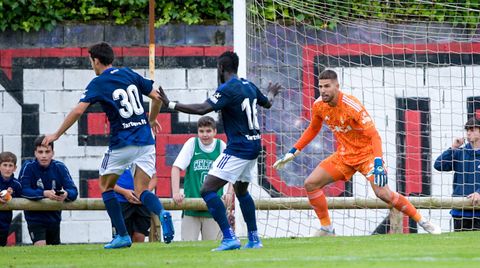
[42,178]
[135,214]
[464,160]
[12,187]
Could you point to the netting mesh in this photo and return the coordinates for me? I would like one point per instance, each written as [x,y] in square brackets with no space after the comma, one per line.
[415,74]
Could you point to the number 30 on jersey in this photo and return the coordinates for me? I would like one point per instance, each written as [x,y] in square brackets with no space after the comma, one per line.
[130,101]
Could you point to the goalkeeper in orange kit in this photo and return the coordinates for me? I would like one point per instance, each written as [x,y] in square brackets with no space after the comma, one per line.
[359,149]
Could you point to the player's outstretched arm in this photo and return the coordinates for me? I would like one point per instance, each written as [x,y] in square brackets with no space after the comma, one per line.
[196,108]
[71,118]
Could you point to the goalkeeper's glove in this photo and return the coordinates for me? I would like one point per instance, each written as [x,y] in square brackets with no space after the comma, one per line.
[379,173]
[280,163]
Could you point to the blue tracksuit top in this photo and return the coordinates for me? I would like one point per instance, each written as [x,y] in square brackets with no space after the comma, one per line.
[465,162]
[6,216]
[35,179]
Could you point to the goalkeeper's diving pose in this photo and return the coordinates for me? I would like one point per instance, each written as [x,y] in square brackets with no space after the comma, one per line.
[359,149]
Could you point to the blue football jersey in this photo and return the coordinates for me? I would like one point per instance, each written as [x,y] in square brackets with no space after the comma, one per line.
[125,181]
[119,92]
[237,100]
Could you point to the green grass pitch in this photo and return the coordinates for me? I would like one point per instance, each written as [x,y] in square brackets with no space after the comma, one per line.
[446,250]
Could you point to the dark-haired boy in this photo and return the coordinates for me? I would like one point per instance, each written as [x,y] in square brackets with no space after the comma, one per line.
[44,177]
[464,160]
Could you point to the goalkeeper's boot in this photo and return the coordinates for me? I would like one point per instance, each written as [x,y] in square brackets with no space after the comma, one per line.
[119,242]
[324,232]
[228,244]
[430,227]
[167,226]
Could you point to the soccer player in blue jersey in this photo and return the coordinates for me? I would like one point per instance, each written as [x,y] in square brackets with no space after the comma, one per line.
[237,100]
[119,91]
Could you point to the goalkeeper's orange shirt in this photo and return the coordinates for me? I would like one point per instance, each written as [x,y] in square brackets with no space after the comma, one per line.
[352,126]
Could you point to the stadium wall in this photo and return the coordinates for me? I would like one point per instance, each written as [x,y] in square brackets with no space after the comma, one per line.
[44,73]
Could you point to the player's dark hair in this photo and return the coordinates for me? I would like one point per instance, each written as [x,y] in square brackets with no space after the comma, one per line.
[229,61]
[472,122]
[328,74]
[8,157]
[103,52]
[38,142]
[207,121]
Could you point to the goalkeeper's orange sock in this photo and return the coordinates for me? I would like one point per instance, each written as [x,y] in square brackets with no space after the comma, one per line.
[319,203]
[402,204]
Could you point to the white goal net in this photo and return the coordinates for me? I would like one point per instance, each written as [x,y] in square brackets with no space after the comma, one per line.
[416,74]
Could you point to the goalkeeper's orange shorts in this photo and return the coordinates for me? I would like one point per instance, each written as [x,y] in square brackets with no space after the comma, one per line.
[337,167]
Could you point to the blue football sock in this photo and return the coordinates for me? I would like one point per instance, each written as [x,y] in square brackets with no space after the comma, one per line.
[219,213]
[253,236]
[152,202]
[114,211]
[248,211]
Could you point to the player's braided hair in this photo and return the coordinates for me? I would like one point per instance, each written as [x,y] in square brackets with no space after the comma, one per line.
[103,52]
[229,61]
[328,74]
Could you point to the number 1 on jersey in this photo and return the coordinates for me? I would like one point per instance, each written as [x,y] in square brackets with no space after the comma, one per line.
[251,112]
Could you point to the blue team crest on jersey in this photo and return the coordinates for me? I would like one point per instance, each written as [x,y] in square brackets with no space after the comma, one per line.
[40,183]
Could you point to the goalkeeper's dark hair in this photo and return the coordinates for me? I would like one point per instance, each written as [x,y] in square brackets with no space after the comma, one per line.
[103,52]
[229,61]
[328,74]
[206,121]
[38,142]
[472,122]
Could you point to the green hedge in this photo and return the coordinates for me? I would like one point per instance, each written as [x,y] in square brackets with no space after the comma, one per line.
[27,15]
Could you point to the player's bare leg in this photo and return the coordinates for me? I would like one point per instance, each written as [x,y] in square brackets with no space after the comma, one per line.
[40,243]
[314,184]
[141,181]
[138,237]
[107,182]
[152,203]
[402,204]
